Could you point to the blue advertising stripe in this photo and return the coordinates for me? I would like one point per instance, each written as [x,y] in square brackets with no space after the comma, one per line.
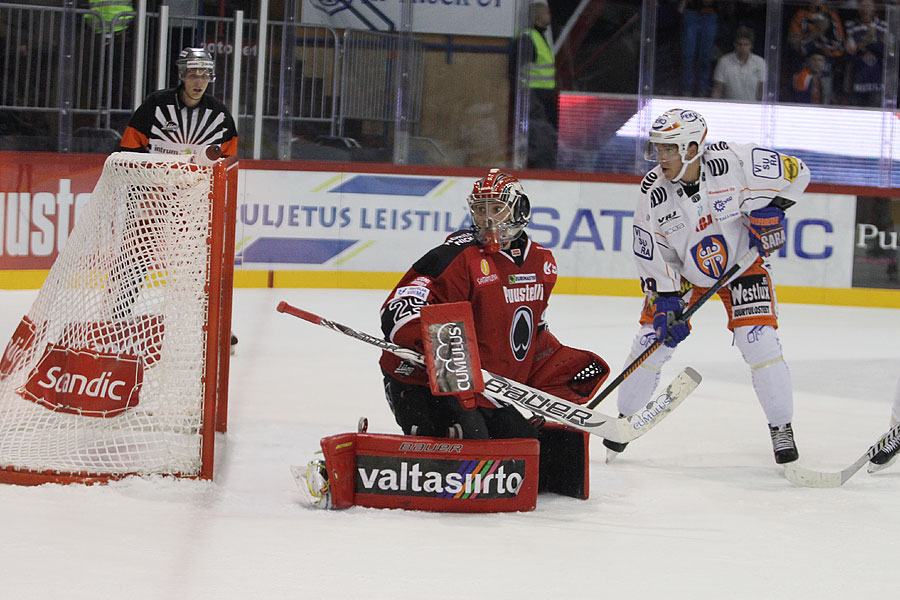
[387,185]
[294,250]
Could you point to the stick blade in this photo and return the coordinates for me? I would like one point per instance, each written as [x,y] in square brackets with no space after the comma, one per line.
[816,479]
[675,393]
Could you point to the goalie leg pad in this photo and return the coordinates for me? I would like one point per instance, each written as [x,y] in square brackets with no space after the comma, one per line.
[432,474]
[565,461]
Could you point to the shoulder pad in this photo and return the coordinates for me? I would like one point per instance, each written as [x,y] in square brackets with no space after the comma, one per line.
[438,259]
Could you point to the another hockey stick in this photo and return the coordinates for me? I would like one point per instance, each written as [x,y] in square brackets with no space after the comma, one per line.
[742,264]
[508,391]
[819,479]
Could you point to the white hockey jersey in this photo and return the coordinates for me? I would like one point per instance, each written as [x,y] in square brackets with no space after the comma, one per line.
[701,236]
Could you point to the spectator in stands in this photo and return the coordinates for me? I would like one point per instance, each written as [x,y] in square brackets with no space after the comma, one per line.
[699,25]
[739,75]
[543,117]
[817,29]
[810,84]
[865,47]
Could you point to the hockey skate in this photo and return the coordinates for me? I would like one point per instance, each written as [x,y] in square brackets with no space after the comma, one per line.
[884,457]
[783,443]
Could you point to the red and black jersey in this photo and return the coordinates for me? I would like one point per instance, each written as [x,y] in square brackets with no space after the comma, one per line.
[164,124]
[508,291]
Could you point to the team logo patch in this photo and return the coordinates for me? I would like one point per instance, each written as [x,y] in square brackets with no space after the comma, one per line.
[643,244]
[485,266]
[520,333]
[711,256]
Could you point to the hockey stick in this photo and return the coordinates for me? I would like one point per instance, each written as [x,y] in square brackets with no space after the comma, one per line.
[501,389]
[819,479]
[744,262]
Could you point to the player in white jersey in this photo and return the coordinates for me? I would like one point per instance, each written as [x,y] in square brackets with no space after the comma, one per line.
[888,455]
[700,210]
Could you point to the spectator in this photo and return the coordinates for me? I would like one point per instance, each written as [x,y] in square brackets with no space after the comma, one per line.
[811,85]
[739,75]
[543,114]
[817,29]
[699,25]
[865,47]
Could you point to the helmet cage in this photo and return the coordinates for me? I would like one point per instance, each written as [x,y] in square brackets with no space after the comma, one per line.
[195,58]
[678,127]
[507,223]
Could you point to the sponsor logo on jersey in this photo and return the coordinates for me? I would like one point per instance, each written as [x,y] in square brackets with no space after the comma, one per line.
[696,198]
[523,278]
[170,126]
[673,229]
[791,167]
[420,281]
[439,478]
[711,256]
[704,223]
[642,244]
[415,291]
[725,191]
[529,293]
[452,362]
[766,163]
[84,382]
[549,268]
[485,266]
[751,296]
[486,280]
[521,332]
[516,252]
[666,218]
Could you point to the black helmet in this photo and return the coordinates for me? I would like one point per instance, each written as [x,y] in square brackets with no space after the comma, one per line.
[195,58]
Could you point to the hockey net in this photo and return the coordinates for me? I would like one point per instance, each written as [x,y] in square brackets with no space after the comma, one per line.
[120,366]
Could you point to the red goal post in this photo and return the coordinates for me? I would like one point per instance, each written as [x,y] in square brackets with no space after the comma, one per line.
[121,365]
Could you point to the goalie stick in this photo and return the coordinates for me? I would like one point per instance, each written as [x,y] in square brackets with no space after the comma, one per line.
[821,479]
[501,389]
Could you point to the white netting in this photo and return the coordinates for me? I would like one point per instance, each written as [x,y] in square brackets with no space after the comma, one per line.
[125,301]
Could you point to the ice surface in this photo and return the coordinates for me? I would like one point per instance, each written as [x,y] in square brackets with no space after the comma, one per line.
[696,509]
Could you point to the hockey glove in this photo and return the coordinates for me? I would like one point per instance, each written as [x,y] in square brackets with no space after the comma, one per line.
[668,320]
[767,229]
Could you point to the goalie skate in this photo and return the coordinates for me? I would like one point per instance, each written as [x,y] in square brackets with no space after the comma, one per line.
[313,483]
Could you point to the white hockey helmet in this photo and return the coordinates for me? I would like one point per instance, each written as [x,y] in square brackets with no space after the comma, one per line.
[679,127]
[498,224]
[195,58]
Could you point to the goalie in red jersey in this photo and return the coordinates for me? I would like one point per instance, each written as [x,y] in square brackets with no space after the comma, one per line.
[507,278]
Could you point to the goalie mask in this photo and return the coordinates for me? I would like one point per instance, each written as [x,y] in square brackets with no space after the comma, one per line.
[499,208]
[195,58]
[680,128]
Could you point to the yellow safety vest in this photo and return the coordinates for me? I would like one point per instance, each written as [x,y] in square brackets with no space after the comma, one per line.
[108,9]
[542,72]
